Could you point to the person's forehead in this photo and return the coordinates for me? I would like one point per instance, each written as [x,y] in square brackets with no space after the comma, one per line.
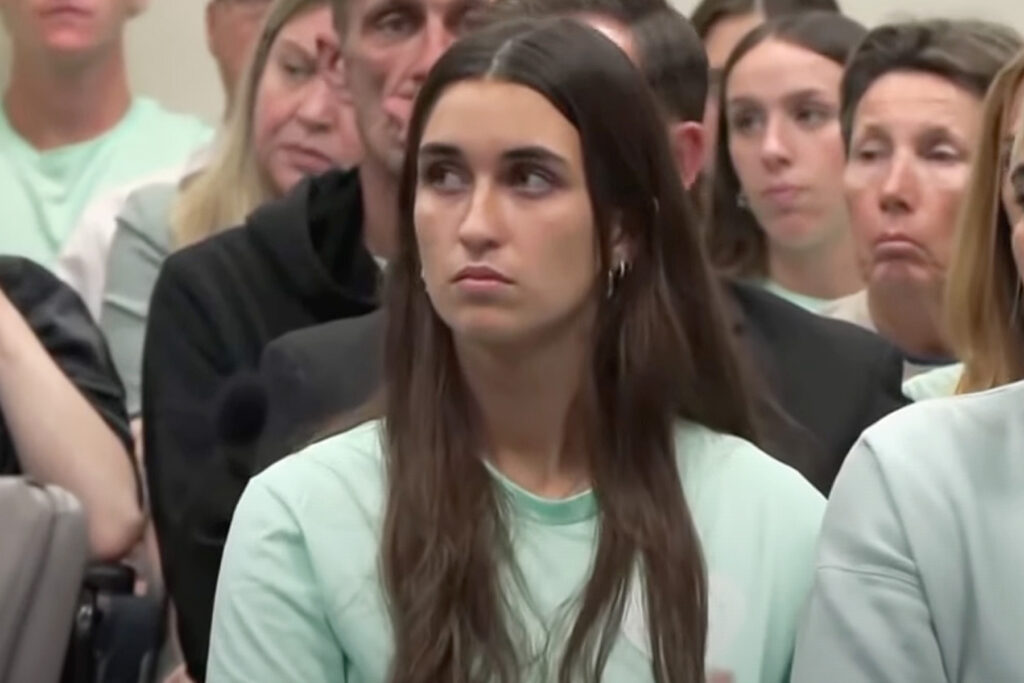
[916,99]
[493,106]
[776,68]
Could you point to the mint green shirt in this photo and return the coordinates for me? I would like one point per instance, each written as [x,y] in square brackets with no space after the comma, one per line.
[43,193]
[299,596]
[920,569]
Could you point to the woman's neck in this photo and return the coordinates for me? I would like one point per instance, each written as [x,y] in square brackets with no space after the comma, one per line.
[51,104]
[526,400]
[912,319]
[827,271]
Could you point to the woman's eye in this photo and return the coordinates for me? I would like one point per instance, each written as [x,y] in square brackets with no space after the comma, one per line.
[944,153]
[531,181]
[296,70]
[868,153]
[744,122]
[443,178]
[812,117]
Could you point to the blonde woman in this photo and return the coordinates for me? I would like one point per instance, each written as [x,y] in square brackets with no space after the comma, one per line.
[288,122]
[984,289]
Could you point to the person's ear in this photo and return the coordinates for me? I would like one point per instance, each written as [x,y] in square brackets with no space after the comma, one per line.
[689,148]
[622,245]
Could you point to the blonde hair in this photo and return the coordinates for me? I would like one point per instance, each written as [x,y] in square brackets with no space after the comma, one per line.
[232,184]
[985,325]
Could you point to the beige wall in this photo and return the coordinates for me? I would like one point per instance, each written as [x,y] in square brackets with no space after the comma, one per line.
[168,58]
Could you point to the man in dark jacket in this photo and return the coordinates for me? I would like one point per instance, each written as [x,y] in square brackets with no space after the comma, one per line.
[308,258]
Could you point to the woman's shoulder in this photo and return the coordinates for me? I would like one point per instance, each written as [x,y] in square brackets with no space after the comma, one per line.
[338,463]
[336,478]
[939,439]
[709,460]
[325,503]
[737,491]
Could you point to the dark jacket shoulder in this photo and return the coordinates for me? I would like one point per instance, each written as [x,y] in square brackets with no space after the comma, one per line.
[832,378]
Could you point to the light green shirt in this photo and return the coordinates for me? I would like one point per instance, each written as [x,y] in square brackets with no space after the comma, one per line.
[299,596]
[920,569]
[938,383]
[141,244]
[43,193]
[811,303]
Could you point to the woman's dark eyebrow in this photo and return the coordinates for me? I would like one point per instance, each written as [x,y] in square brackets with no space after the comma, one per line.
[805,95]
[439,150]
[535,154]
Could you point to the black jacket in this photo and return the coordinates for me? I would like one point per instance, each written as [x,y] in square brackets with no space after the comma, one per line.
[818,384]
[63,326]
[296,262]
[827,381]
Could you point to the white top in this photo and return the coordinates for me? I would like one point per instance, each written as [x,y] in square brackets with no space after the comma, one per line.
[920,569]
[82,263]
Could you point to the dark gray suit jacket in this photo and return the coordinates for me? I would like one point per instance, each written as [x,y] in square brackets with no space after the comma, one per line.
[822,382]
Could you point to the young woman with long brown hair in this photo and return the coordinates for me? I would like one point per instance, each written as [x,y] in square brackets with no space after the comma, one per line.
[560,487]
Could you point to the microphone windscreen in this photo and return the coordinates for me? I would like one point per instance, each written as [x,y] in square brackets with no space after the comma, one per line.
[243,410]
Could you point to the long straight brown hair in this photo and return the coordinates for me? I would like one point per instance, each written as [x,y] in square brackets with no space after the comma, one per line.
[661,352]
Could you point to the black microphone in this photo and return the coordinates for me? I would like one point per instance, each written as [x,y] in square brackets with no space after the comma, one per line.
[241,419]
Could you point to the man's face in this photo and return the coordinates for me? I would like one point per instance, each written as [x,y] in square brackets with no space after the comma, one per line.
[232,28]
[389,46]
[67,28]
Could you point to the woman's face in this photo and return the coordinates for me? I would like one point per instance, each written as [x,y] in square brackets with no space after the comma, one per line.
[1015,206]
[301,126]
[503,216]
[782,110]
[912,140]
[1008,135]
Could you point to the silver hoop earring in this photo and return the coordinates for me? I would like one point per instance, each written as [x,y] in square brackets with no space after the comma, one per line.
[616,274]
[741,200]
